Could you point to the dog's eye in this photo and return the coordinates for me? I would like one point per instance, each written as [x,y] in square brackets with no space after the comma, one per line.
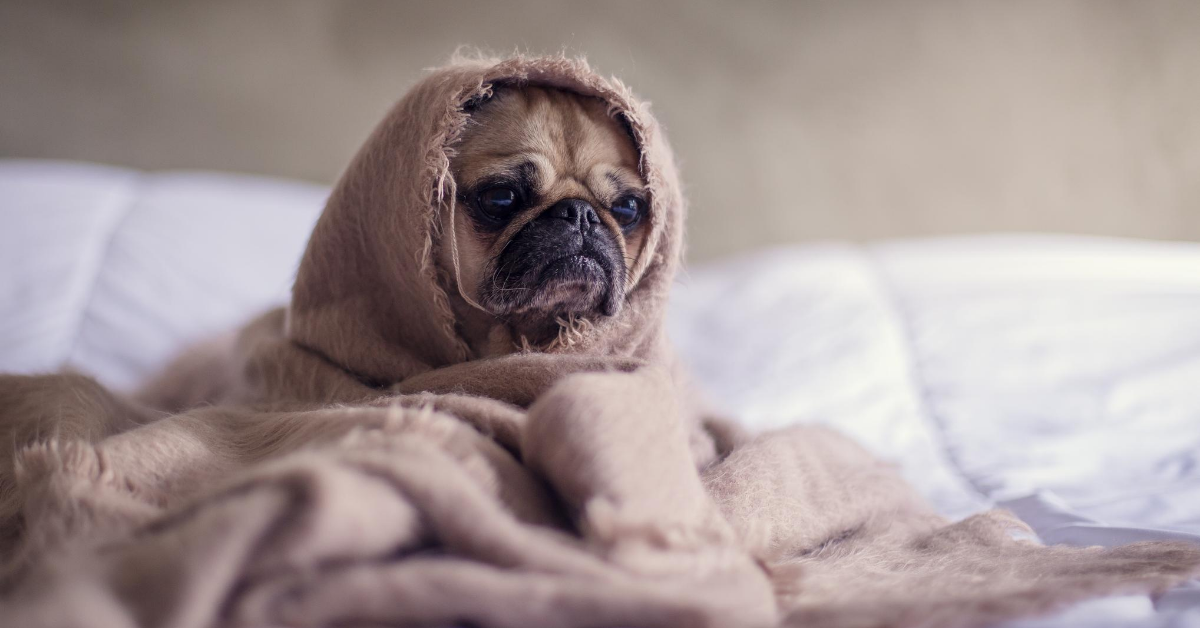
[499,202]
[627,211]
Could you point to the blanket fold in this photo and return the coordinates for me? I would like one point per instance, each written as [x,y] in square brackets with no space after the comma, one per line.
[353,460]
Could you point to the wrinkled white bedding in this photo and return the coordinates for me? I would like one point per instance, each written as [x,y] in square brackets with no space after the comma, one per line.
[1057,376]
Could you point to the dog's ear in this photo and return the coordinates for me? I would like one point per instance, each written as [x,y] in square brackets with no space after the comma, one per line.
[626,126]
[473,103]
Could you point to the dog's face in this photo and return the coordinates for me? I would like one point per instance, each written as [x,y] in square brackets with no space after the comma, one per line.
[553,210]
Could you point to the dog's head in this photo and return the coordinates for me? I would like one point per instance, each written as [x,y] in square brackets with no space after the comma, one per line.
[552,207]
[439,244]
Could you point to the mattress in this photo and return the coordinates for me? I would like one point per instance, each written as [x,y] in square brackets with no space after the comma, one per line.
[1055,376]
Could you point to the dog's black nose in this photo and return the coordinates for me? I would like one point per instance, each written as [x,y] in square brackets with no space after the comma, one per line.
[576,211]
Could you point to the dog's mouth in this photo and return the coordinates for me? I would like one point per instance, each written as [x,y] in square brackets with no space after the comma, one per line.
[571,284]
[541,281]
[579,268]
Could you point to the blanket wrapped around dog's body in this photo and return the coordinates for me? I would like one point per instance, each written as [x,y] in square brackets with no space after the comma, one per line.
[352,460]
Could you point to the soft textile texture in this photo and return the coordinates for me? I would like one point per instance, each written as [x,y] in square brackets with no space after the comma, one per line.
[363,468]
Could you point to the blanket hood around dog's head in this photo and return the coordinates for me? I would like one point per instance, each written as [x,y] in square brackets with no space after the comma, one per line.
[371,295]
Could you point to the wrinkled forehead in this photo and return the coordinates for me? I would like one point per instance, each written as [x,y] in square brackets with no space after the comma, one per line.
[547,134]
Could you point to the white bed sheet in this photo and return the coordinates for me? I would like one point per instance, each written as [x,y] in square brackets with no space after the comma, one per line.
[1056,376]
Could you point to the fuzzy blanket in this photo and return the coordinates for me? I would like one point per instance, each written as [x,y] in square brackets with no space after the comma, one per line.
[351,460]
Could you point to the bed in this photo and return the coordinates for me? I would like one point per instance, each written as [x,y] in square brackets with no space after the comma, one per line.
[1055,376]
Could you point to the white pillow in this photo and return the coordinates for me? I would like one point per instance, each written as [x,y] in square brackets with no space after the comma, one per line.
[111,271]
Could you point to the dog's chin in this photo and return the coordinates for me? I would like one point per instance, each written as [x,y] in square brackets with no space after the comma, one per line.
[577,284]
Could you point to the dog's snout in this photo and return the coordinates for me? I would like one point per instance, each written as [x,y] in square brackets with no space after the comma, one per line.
[578,212]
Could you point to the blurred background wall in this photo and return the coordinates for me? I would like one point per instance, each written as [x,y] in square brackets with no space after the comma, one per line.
[793,120]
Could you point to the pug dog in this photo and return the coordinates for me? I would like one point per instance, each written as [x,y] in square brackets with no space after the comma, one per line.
[551,214]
